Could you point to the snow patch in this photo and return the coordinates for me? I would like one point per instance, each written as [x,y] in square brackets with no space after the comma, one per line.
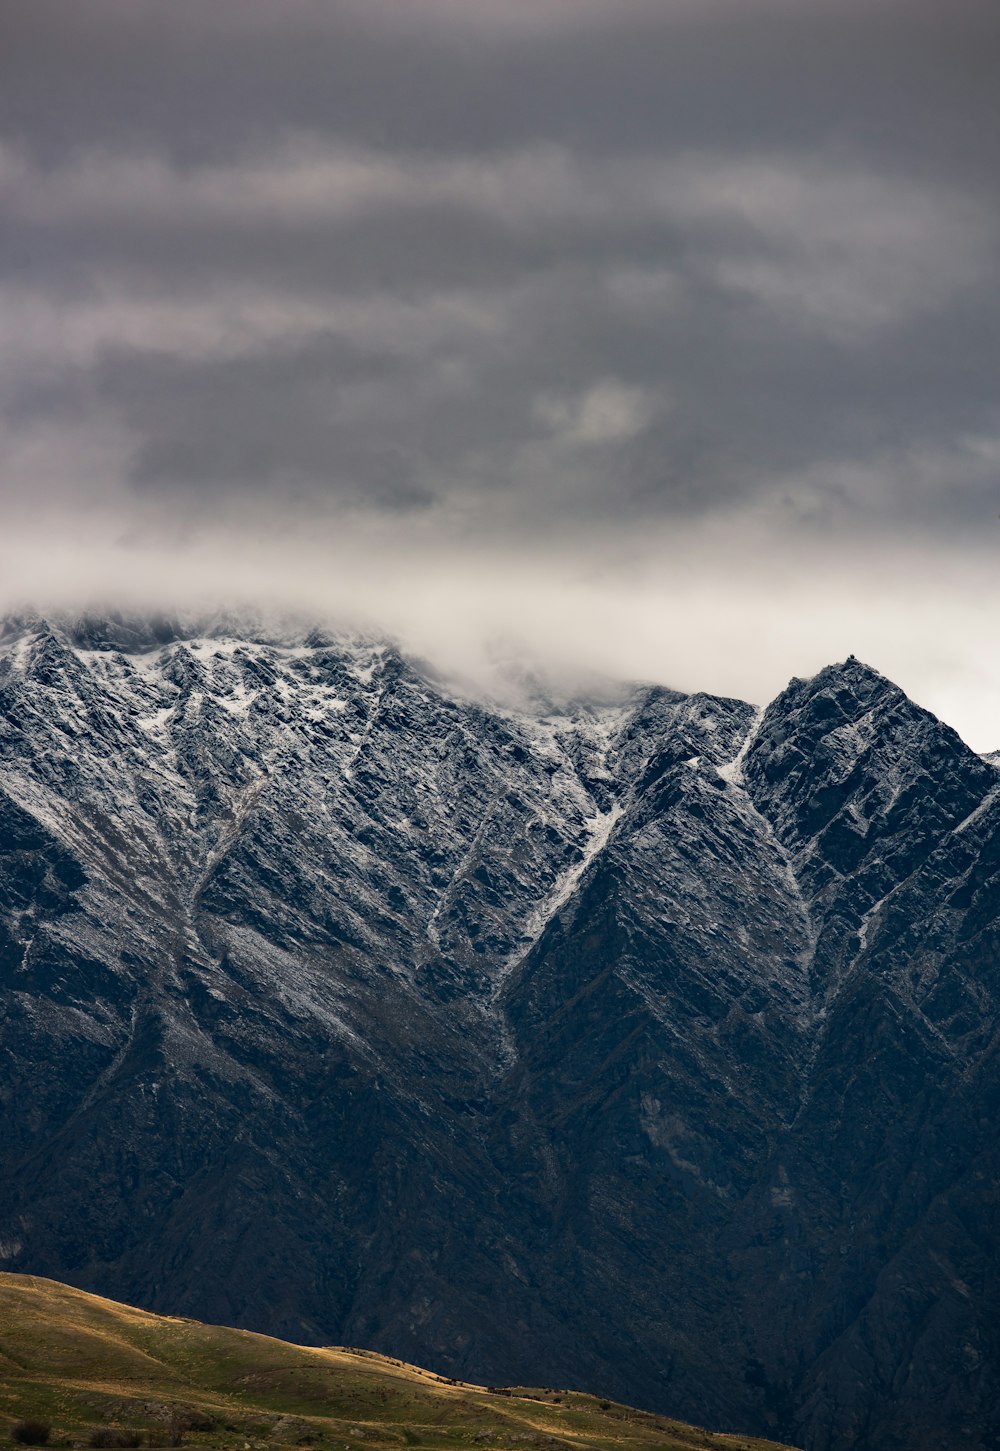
[732,771]
[599,828]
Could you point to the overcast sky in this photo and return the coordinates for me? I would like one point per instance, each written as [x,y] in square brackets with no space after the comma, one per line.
[655,336]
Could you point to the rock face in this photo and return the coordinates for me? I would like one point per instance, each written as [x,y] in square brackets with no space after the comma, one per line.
[649,1046]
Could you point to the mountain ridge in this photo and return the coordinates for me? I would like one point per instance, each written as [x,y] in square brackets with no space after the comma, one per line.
[351,1009]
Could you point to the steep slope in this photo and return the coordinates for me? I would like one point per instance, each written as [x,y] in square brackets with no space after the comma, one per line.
[886,1187]
[95,1366]
[647,1045]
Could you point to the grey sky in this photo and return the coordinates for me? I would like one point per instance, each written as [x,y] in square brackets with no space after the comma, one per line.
[664,335]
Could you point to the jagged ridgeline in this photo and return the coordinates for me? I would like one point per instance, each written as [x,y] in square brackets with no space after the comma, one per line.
[647,1046]
[81,1370]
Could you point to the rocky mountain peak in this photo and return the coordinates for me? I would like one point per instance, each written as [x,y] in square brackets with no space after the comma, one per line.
[859,780]
[639,1041]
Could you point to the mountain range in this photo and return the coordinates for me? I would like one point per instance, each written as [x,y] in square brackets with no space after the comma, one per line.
[645,1043]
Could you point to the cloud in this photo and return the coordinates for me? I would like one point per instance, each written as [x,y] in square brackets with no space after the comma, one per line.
[843,249]
[226,323]
[706,607]
[606,412]
[589,310]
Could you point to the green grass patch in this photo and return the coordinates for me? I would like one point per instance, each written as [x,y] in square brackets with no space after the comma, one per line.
[89,1365]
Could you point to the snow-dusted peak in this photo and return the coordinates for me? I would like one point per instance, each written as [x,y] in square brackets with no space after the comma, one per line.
[507,1029]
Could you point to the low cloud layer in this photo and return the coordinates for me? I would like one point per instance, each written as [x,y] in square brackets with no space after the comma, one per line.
[665,334]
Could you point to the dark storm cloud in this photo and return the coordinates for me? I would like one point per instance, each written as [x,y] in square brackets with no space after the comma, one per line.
[198,79]
[567,275]
[391,329]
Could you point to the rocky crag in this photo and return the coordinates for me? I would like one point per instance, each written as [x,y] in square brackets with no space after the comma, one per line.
[648,1046]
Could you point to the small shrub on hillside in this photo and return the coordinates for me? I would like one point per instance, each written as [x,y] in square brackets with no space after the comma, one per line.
[107,1436]
[192,1420]
[31,1433]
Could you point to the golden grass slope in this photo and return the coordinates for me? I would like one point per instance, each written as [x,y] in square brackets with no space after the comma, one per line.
[82,1362]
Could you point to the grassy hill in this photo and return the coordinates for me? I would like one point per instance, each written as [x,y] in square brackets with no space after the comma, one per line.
[103,1373]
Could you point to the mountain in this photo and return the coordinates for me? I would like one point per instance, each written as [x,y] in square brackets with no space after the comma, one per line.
[646,1045]
[95,1369]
